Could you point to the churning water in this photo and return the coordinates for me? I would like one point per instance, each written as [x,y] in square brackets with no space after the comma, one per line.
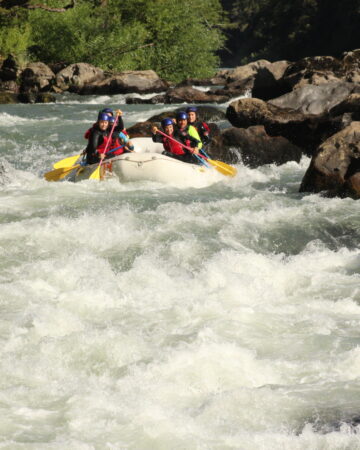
[142,316]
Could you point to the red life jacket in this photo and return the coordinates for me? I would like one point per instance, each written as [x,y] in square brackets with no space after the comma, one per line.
[87,133]
[102,146]
[115,142]
[172,147]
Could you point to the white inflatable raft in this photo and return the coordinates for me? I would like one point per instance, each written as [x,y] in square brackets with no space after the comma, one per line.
[130,167]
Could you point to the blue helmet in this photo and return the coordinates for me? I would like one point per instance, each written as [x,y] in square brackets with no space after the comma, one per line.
[181,115]
[191,109]
[103,116]
[107,111]
[166,122]
[111,119]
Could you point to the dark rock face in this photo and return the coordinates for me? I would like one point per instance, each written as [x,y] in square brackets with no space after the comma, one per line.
[305,131]
[10,69]
[335,167]
[255,147]
[37,77]
[191,95]
[311,99]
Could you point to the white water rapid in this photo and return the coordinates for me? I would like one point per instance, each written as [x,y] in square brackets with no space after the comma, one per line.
[142,316]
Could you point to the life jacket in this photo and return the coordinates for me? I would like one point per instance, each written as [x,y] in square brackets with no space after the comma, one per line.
[102,146]
[87,133]
[115,142]
[203,130]
[183,132]
[172,147]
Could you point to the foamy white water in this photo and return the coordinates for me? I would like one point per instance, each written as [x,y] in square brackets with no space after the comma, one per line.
[140,316]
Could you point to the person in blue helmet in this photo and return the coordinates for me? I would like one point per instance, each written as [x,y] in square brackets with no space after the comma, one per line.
[183,127]
[201,127]
[98,137]
[120,123]
[173,144]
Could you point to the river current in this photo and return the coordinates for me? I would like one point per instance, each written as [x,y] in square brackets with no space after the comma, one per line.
[143,316]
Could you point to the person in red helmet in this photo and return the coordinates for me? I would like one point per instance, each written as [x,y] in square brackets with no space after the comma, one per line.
[201,127]
[173,148]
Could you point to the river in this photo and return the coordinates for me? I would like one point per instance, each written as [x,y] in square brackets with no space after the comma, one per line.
[142,316]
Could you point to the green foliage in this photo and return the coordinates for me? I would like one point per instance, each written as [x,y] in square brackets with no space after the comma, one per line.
[279,29]
[15,33]
[176,39]
[183,33]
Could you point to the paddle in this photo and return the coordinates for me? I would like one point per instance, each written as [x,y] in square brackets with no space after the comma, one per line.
[67,162]
[220,166]
[59,174]
[96,175]
[231,171]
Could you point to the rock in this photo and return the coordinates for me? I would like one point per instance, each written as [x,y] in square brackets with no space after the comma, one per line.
[10,86]
[157,99]
[262,77]
[313,70]
[316,99]
[75,76]
[10,69]
[350,104]
[36,97]
[191,95]
[254,147]
[141,82]
[36,77]
[303,130]
[7,98]
[140,129]
[351,65]
[335,167]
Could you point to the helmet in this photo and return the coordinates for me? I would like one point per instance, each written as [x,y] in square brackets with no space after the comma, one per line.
[103,116]
[181,115]
[107,111]
[191,109]
[111,119]
[166,122]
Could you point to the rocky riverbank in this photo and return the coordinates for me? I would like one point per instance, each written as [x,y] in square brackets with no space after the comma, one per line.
[309,107]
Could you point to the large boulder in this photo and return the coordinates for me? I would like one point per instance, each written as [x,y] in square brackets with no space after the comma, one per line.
[75,76]
[351,66]
[316,99]
[263,78]
[313,70]
[189,94]
[36,77]
[350,105]
[306,131]
[335,167]
[254,147]
[141,82]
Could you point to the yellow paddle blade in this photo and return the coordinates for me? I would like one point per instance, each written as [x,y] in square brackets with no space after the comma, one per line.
[67,162]
[223,168]
[96,175]
[59,174]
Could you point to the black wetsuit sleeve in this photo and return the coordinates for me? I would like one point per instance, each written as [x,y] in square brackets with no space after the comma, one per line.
[95,140]
[119,125]
[193,141]
[157,138]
